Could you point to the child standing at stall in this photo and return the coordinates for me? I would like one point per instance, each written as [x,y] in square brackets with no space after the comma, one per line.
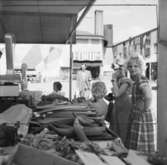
[122,91]
[141,126]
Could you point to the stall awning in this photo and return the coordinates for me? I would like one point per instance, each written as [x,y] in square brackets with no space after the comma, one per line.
[40,21]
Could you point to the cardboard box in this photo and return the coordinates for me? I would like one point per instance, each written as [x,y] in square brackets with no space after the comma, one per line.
[9,90]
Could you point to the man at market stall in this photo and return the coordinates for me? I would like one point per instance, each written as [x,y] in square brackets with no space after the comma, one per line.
[57,96]
[57,89]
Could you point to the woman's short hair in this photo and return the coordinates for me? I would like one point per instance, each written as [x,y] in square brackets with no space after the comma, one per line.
[99,89]
[58,85]
[139,60]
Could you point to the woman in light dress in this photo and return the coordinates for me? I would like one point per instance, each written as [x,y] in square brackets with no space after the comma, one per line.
[83,82]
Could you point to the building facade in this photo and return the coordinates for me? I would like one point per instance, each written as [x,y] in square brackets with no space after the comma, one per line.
[89,49]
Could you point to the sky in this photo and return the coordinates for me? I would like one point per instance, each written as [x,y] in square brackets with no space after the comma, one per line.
[127,21]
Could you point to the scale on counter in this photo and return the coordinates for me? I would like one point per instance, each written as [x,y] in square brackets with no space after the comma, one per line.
[9,85]
[9,82]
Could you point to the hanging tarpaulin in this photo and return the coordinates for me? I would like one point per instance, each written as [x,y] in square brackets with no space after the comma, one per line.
[137,41]
[57,57]
[33,57]
[147,44]
[125,53]
[129,46]
[132,47]
[114,49]
[141,44]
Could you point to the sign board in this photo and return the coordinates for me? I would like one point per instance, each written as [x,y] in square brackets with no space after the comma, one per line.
[89,52]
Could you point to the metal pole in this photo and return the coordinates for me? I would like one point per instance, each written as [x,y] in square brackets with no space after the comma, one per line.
[71,70]
[162,79]
[9,41]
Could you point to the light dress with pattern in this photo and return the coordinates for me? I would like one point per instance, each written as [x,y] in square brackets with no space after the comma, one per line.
[83,82]
[141,124]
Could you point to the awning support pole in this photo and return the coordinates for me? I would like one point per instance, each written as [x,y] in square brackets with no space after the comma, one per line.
[71,69]
[162,79]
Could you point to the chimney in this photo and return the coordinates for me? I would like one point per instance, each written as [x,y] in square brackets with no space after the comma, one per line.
[108,35]
[9,41]
[99,23]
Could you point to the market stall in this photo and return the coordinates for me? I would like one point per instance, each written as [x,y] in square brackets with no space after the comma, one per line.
[53,134]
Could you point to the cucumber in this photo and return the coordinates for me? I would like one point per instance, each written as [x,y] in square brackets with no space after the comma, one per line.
[68,132]
[79,131]
[94,131]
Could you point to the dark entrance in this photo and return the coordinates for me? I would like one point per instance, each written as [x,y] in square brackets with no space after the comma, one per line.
[95,71]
